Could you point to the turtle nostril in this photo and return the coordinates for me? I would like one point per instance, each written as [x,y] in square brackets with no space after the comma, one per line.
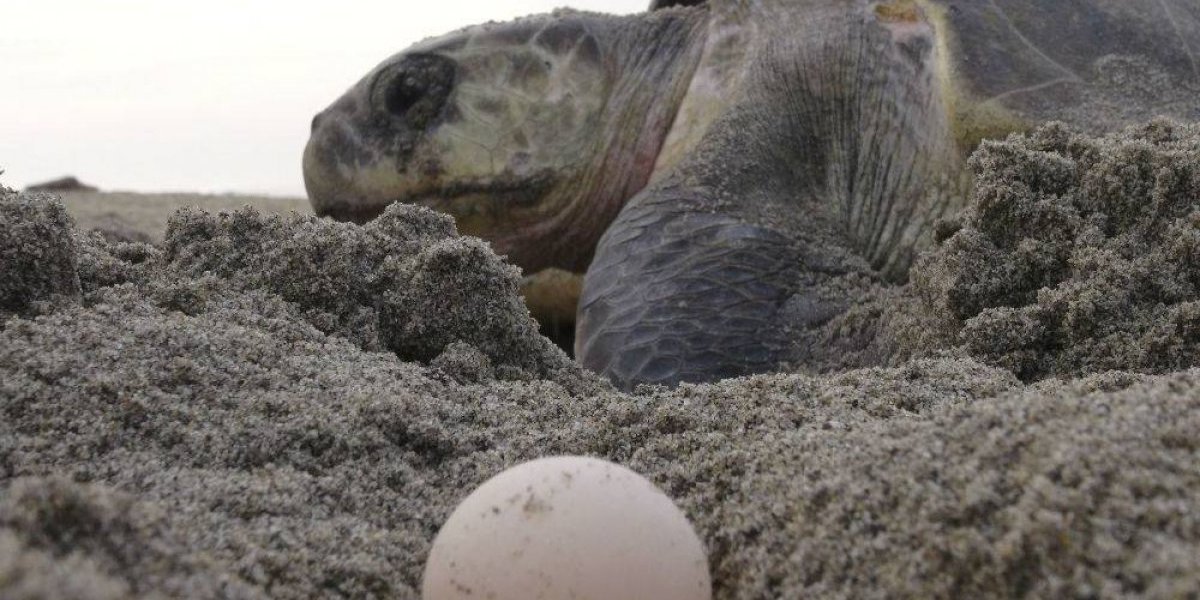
[316,122]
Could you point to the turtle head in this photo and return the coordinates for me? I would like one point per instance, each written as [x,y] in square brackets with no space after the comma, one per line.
[532,133]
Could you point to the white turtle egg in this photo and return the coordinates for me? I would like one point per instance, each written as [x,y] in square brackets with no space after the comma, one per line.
[567,527]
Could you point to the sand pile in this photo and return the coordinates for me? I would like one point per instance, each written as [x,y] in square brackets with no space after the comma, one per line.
[1076,255]
[289,408]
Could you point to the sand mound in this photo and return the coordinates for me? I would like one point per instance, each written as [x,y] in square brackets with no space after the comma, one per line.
[1077,255]
[289,408]
[405,282]
[37,254]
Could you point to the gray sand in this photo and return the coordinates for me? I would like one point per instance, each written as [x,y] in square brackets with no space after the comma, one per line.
[138,217]
[1076,255]
[289,407]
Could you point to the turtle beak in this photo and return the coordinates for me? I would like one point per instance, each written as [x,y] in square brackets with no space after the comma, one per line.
[331,193]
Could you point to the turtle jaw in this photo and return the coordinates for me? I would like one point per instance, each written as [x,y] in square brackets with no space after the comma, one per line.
[361,190]
[332,193]
[516,213]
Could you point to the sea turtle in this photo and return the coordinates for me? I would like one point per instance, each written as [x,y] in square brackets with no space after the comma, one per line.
[734,173]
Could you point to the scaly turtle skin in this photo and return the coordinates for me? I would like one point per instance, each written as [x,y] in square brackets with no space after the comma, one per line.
[733,174]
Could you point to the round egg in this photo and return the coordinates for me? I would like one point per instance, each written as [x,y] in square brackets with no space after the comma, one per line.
[567,527]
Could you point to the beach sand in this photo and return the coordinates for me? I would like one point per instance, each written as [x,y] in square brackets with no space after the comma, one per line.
[132,216]
[287,407]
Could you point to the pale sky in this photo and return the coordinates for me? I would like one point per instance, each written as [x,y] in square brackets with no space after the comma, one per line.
[210,96]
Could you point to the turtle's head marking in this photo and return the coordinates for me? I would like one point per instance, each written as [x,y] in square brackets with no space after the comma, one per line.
[529,133]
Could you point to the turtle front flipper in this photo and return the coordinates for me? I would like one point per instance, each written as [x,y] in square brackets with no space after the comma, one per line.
[822,181]
[688,287]
[676,295]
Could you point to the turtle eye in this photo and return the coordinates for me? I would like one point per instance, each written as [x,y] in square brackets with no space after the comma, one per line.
[402,94]
[415,89]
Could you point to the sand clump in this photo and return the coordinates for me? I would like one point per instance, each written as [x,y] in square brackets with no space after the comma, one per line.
[1076,255]
[405,282]
[287,407]
[37,254]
